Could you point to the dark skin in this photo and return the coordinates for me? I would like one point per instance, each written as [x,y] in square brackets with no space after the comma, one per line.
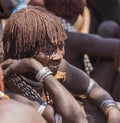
[58,92]
[101,52]
[104,68]
[105,56]
[77,87]
[9,108]
[76,81]
[88,43]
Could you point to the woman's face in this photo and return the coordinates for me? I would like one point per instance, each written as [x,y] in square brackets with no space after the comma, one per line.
[52,60]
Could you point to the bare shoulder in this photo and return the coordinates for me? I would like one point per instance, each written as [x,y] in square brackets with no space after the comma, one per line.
[75,80]
[15,112]
[64,65]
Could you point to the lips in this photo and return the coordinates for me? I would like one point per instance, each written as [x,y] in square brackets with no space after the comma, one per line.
[53,68]
[54,63]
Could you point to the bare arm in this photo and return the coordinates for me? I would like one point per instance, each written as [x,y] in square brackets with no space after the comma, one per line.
[64,102]
[78,82]
[78,44]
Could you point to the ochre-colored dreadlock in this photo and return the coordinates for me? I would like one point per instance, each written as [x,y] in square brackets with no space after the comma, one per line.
[30,29]
[65,8]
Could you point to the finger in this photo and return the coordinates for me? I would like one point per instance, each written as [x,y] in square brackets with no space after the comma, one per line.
[8,71]
[6,63]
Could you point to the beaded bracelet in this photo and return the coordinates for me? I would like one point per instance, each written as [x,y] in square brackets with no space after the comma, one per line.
[42,74]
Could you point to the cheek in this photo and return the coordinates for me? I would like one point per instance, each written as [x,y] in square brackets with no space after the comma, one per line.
[42,58]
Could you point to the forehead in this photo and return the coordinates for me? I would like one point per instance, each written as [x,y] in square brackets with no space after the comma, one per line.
[48,45]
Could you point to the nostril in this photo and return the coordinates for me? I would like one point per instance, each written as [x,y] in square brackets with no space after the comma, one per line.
[56,62]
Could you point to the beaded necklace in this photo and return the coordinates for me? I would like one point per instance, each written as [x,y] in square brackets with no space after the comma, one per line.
[24,86]
[29,88]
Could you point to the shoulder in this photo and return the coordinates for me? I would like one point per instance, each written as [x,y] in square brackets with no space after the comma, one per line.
[66,67]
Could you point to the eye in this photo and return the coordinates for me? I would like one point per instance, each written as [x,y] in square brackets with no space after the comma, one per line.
[49,51]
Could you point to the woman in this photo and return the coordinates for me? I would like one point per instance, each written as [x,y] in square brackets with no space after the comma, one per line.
[39,54]
[70,111]
[100,50]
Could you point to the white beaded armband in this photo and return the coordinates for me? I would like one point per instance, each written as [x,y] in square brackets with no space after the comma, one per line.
[91,83]
[42,74]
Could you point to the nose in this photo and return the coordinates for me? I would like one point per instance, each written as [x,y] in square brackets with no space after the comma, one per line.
[58,55]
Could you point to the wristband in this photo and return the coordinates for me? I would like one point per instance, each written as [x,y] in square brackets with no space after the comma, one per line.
[42,74]
[106,104]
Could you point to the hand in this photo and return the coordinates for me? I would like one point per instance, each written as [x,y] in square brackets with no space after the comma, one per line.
[21,66]
[114,115]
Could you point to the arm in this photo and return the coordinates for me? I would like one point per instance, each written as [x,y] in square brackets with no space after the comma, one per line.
[65,103]
[78,83]
[78,44]
[70,110]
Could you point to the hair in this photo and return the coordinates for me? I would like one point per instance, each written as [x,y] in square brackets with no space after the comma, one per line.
[65,8]
[7,10]
[29,29]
